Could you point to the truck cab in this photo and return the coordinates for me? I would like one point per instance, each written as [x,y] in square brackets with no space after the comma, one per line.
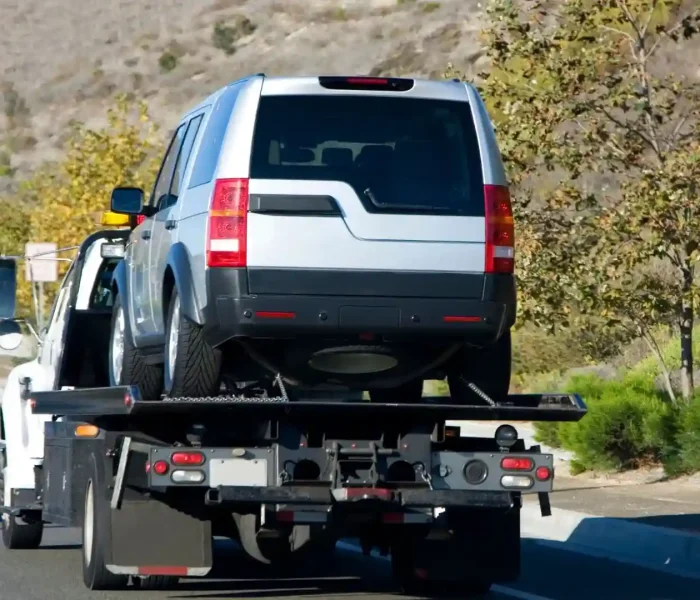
[71,353]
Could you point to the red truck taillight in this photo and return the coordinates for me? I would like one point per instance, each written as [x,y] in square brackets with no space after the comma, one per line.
[228,224]
[500,231]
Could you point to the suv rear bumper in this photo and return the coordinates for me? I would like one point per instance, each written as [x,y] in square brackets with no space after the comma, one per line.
[477,307]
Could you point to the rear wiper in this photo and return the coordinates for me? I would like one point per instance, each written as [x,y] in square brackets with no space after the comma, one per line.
[368,193]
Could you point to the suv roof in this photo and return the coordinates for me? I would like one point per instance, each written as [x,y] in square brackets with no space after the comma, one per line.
[449,89]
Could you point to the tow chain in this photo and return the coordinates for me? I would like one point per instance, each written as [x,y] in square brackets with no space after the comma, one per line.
[237,399]
[478,391]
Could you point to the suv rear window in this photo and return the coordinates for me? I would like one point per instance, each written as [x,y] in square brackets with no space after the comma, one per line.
[403,155]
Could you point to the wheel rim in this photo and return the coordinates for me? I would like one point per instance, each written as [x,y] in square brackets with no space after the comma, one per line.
[174,336]
[118,346]
[88,524]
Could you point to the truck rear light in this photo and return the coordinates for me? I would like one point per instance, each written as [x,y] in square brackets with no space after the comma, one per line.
[522,482]
[160,467]
[513,463]
[189,459]
[500,230]
[543,473]
[182,476]
[228,224]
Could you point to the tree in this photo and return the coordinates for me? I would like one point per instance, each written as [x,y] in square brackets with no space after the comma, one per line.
[603,152]
[68,197]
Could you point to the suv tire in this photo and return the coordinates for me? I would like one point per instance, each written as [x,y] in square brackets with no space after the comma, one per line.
[131,368]
[192,366]
[488,368]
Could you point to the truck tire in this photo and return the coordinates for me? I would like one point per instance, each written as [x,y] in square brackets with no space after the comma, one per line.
[488,368]
[126,363]
[413,583]
[192,366]
[97,531]
[17,535]
[156,582]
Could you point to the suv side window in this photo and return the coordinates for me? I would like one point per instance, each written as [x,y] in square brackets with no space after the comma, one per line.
[182,160]
[159,197]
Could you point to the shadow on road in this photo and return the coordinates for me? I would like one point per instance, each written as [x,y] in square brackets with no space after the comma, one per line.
[235,575]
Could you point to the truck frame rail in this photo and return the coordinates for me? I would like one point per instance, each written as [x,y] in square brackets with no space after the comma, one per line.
[125,401]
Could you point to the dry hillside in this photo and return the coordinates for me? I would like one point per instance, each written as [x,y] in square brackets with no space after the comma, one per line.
[65,59]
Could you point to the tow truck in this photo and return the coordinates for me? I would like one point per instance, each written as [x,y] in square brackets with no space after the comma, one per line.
[150,483]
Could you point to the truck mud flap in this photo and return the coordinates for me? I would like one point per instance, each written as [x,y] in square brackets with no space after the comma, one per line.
[151,538]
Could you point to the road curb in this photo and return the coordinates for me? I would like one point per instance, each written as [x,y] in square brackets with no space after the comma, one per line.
[660,548]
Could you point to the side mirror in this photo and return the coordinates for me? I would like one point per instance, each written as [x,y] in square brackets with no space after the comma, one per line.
[10,335]
[127,201]
[8,288]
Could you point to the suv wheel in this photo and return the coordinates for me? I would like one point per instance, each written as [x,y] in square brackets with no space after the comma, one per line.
[488,368]
[126,363]
[192,367]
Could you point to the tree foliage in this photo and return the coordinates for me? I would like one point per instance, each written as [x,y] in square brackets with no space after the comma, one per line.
[604,158]
[62,203]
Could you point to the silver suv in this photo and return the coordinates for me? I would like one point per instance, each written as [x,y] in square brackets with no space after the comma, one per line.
[344,233]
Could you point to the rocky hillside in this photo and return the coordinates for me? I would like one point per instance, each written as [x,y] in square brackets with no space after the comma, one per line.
[65,59]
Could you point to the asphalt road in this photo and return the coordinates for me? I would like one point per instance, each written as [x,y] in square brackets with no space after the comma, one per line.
[549,573]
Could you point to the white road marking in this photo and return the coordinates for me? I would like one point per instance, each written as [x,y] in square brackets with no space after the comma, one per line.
[499,589]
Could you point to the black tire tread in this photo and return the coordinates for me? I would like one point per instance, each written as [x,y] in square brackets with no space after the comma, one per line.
[156,582]
[198,365]
[135,370]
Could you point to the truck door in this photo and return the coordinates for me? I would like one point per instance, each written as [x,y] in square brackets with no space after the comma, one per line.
[52,343]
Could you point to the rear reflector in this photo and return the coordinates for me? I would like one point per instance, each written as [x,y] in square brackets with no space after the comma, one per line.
[543,473]
[461,319]
[160,467]
[391,84]
[500,230]
[513,463]
[163,570]
[265,314]
[228,224]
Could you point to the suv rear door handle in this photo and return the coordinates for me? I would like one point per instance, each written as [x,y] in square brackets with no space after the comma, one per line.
[146,235]
[171,224]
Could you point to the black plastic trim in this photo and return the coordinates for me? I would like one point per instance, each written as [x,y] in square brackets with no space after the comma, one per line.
[281,204]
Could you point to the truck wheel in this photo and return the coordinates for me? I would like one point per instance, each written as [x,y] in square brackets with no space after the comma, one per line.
[408,393]
[415,583]
[96,539]
[192,367]
[126,363]
[156,582]
[488,368]
[17,535]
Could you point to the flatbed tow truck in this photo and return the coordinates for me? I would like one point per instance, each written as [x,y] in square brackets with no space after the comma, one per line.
[150,483]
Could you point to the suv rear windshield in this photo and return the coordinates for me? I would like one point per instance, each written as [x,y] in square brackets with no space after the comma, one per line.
[404,155]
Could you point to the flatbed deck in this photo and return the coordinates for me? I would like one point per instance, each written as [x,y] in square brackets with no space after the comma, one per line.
[126,402]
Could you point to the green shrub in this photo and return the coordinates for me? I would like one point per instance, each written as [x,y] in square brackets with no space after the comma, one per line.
[167,62]
[689,438]
[628,425]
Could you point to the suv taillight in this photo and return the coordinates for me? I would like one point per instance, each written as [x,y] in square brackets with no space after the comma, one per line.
[228,224]
[500,231]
